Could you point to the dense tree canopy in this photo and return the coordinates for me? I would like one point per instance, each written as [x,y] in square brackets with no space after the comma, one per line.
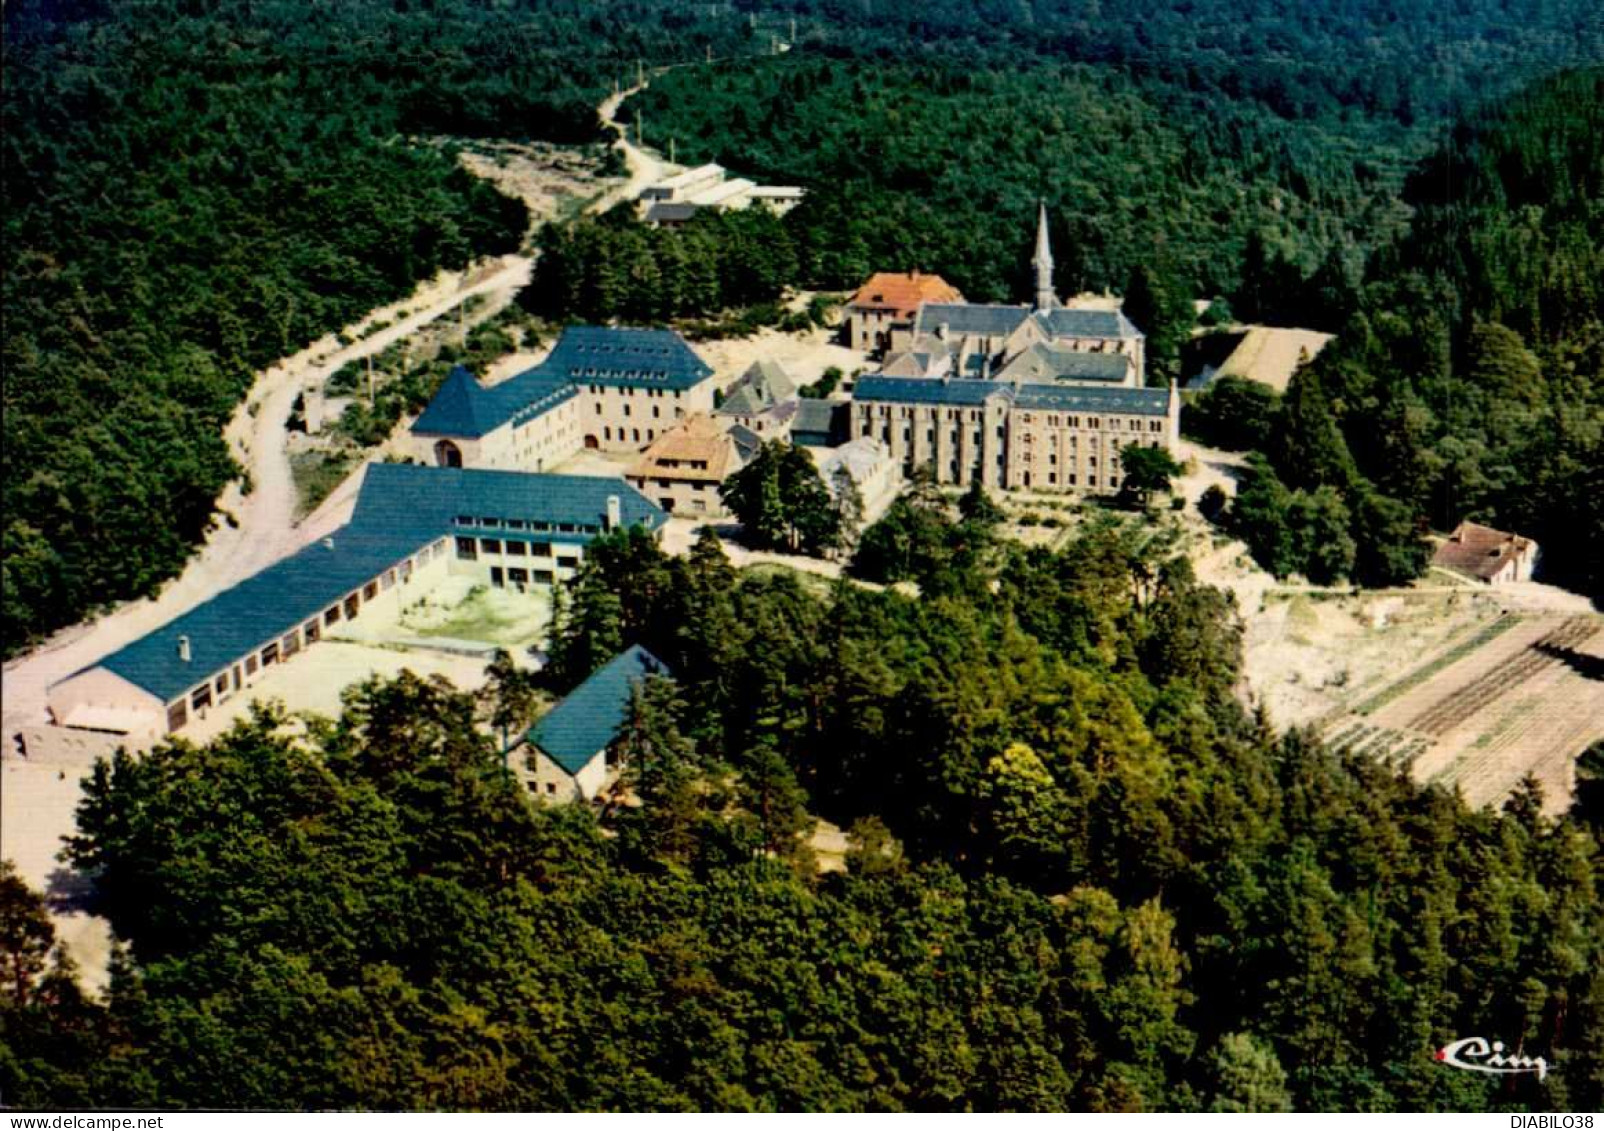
[1081,876]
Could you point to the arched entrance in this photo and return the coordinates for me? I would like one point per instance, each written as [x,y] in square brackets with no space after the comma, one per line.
[447,454]
[591,442]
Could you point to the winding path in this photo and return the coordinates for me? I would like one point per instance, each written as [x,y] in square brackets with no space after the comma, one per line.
[264,527]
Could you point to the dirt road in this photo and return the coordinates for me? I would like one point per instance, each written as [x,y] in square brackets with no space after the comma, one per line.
[263,528]
[644,168]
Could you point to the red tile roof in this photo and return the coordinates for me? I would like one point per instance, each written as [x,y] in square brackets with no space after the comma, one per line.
[903,292]
[1480,551]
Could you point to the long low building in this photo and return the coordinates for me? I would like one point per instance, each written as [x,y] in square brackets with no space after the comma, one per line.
[412,526]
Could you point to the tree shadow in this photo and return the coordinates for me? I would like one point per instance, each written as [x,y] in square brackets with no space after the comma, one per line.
[1583,664]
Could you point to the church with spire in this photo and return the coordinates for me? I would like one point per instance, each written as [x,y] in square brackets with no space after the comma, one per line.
[1047,340]
[1041,397]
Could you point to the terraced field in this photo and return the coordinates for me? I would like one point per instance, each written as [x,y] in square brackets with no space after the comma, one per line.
[1515,699]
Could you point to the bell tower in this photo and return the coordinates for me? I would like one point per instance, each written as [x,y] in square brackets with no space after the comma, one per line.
[1043,262]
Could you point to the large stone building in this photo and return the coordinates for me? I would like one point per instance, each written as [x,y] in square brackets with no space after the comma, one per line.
[989,340]
[889,302]
[1025,436]
[613,389]
[1042,397]
[412,527]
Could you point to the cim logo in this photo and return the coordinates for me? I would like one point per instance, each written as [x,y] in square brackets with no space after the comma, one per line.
[1474,1054]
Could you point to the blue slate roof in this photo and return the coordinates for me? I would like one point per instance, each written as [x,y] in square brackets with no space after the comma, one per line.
[989,320]
[401,509]
[463,407]
[998,321]
[430,500]
[961,391]
[1069,322]
[603,355]
[584,355]
[1094,398]
[1047,362]
[926,390]
[587,721]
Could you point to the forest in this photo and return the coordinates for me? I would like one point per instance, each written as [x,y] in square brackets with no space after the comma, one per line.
[1467,377]
[1079,875]
[265,191]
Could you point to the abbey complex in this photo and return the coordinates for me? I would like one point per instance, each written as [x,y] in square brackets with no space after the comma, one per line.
[1043,397]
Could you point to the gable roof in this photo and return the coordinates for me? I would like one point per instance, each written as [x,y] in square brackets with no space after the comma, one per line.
[819,421]
[430,500]
[903,292]
[1094,398]
[626,357]
[985,319]
[999,321]
[697,439]
[764,384]
[1047,362]
[587,721]
[620,357]
[1480,551]
[1083,322]
[926,390]
[463,407]
[401,508]
[970,392]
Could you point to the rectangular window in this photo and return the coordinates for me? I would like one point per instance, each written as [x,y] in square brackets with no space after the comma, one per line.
[495,576]
[222,683]
[540,549]
[370,590]
[490,545]
[544,576]
[352,604]
[238,679]
[388,580]
[313,631]
[516,524]
[250,666]
[177,715]
[490,523]
[270,655]
[517,549]
[465,520]
[518,576]
[291,644]
[466,549]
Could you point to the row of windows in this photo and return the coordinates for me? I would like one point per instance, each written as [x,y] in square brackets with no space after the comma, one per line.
[598,390]
[469,549]
[607,434]
[657,411]
[233,678]
[531,525]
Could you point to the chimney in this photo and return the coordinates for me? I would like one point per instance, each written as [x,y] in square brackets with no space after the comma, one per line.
[615,512]
[183,649]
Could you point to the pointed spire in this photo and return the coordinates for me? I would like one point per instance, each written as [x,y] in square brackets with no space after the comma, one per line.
[1043,262]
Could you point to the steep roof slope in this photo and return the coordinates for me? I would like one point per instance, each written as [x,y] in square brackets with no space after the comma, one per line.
[587,721]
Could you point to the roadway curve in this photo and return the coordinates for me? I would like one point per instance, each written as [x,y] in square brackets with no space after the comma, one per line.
[264,527]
